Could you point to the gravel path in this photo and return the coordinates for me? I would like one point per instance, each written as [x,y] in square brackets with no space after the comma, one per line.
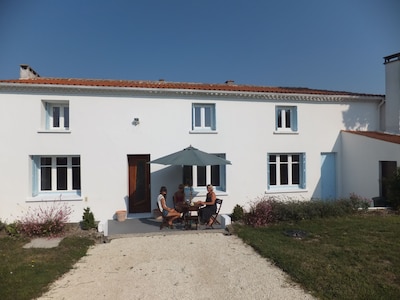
[189,266]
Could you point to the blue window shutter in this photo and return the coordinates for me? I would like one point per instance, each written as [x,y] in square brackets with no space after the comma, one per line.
[213,118]
[47,116]
[294,116]
[193,116]
[222,176]
[268,185]
[303,166]
[35,175]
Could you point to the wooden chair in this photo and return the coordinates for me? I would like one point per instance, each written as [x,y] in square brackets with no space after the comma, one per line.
[165,220]
[215,215]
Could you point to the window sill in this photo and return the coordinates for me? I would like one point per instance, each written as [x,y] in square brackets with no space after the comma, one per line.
[202,132]
[285,190]
[51,197]
[202,192]
[285,132]
[54,131]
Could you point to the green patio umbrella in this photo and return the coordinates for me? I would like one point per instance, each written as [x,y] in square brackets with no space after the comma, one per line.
[191,156]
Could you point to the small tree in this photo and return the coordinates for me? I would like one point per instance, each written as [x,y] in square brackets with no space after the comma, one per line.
[238,213]
[393,189]
[88,221]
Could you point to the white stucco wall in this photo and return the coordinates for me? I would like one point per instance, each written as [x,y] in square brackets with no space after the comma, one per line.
[360,164]
[102,134]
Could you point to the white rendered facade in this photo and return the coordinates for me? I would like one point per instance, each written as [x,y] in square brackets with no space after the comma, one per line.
[100,127]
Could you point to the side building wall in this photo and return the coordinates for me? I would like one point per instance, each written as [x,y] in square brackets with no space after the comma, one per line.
[361,163]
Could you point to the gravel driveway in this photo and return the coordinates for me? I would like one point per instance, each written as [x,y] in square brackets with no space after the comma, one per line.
[186,266]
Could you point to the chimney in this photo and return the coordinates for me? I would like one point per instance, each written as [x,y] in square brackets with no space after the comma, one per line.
[392,98]
[26,72]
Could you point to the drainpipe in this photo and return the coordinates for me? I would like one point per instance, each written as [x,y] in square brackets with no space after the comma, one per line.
[381,124]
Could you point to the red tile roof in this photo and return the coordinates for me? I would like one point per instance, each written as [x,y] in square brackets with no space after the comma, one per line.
[387,137]
[229,87]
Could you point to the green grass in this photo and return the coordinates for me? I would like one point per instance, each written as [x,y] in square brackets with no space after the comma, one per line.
[27,273]
[354,257]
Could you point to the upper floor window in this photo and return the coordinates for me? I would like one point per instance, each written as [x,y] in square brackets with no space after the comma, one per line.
[286,118]
[286,170]
[199,176]
[56,115]
[203,117]
[56,173]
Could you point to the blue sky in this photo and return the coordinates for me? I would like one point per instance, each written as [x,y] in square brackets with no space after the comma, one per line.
[322,44]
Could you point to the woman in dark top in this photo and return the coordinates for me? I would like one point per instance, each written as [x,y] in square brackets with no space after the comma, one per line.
[179,198]
[210,208]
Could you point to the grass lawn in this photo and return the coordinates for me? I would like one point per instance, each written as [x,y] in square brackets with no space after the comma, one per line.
[27,273]
[354,257]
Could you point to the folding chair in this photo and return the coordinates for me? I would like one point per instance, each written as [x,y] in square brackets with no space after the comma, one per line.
[165,220]
[213,218]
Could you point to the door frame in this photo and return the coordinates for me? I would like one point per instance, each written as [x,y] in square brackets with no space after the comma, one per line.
[139,200]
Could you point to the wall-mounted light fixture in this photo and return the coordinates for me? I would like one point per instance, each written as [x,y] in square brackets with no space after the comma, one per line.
[136,121]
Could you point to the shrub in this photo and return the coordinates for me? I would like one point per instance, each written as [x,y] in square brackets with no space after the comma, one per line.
[269,210]
[238,213]
[2,226]
[45,221]
[12,229]
[393,190]
[260,213]
[88,221]
[359,202]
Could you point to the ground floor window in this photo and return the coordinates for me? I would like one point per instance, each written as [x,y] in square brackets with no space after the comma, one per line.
[286,170]
[199,176]
[55,174]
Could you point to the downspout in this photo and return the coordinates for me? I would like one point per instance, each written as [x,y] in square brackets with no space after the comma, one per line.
[381,124]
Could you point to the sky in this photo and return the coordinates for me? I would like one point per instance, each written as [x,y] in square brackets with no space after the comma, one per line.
[335,45]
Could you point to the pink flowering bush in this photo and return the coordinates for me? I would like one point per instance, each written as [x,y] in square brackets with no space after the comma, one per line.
[268,210]
[261,212]
[45,221]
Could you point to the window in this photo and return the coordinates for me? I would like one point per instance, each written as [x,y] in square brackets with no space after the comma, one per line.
[55,174]
[203,117]
[286,170]
[286,119]
[56,115]
[199,176]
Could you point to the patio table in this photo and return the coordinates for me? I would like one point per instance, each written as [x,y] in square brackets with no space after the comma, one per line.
[191,215]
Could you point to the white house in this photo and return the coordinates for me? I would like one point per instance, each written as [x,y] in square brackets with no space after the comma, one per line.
[88,142]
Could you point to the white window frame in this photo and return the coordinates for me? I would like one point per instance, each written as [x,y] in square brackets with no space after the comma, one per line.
[203,188]
[36,175]
[202,109]
[280,114]
[63,118]
[290,185]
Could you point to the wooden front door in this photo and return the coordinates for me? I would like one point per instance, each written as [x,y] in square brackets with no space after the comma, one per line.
[139,183]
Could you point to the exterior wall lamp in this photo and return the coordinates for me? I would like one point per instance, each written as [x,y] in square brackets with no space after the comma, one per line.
[136,121]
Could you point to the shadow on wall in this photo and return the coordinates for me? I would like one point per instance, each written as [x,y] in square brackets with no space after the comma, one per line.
[355,118]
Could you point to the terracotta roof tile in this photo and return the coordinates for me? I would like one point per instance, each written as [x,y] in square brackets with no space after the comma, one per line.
[387,137]
[229,87]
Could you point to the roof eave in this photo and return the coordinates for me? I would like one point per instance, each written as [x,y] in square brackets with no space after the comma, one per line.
[209,92]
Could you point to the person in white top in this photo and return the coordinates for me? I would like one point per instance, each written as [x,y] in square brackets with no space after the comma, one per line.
[165,210]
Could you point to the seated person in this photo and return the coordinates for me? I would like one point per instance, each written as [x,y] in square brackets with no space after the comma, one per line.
[171,213]
[179,198]
[210,208]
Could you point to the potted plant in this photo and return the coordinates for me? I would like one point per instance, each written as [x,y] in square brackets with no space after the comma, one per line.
[121,215]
